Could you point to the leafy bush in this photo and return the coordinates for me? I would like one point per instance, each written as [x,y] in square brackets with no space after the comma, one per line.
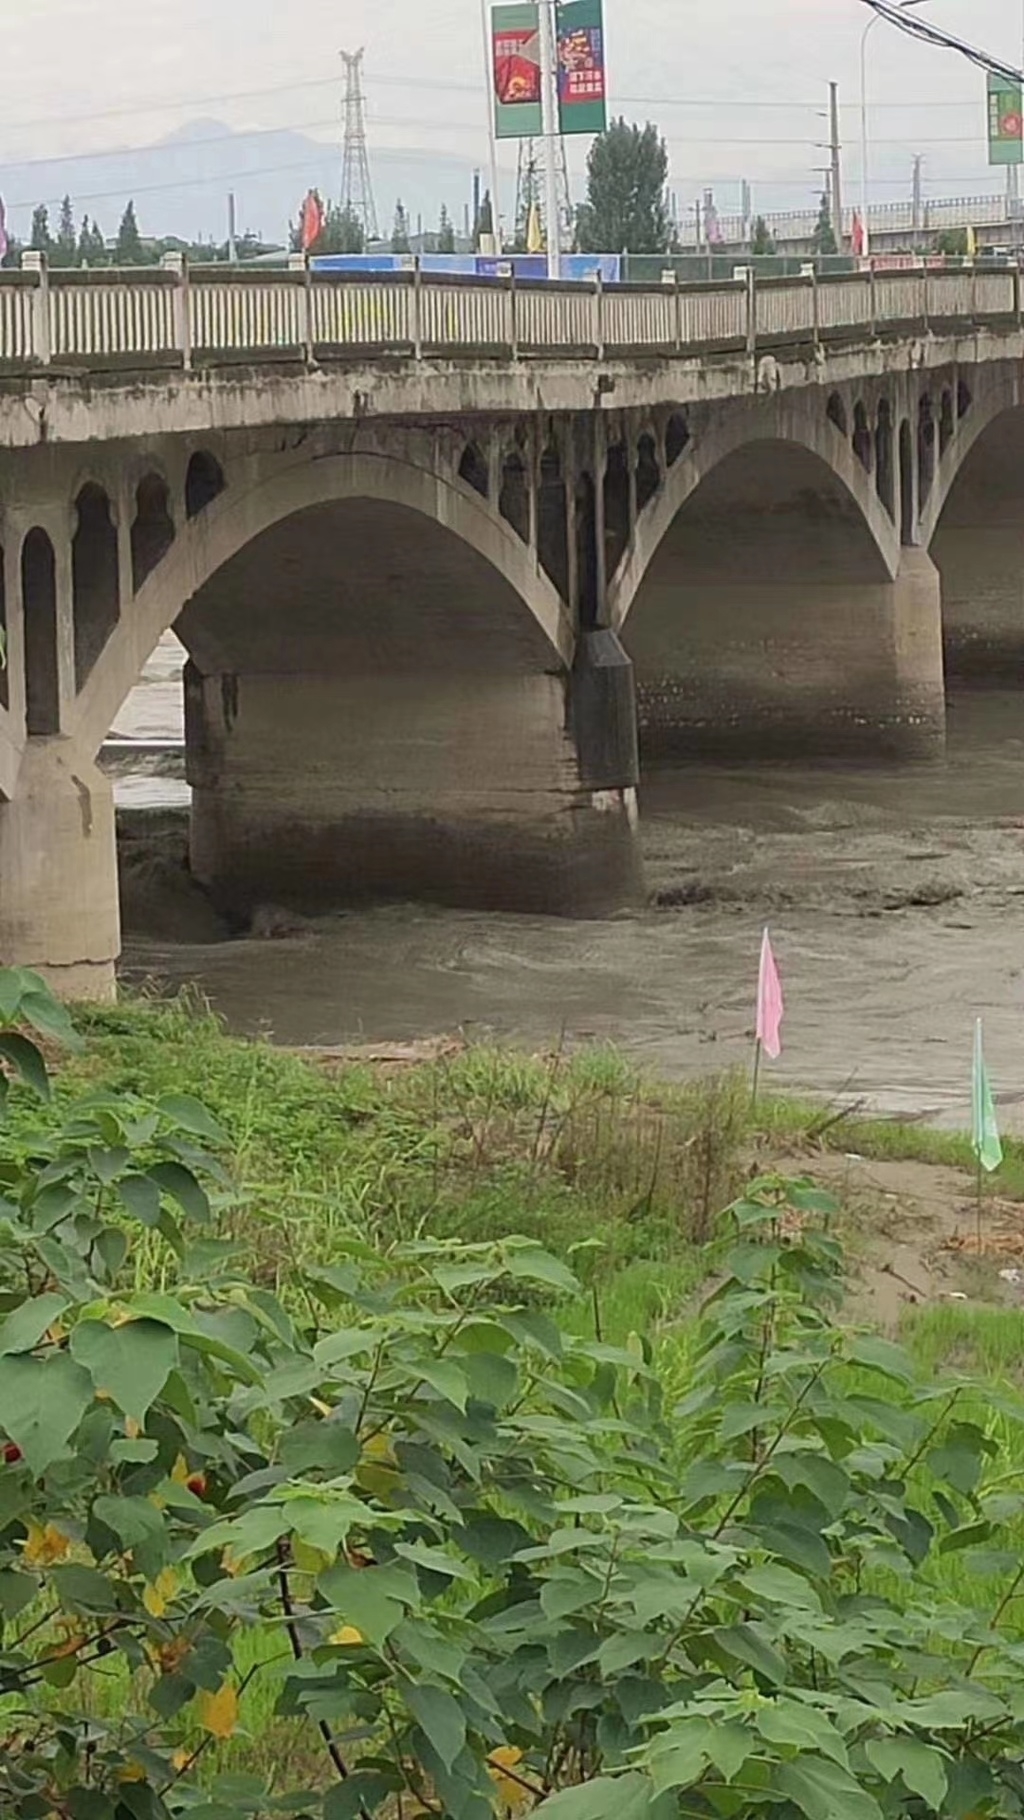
[489,1568]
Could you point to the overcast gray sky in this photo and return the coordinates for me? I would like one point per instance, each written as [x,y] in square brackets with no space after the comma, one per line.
[73,69]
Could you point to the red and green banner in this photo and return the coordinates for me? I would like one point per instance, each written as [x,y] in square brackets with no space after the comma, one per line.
[582,84]
[1005,133]
[515,40]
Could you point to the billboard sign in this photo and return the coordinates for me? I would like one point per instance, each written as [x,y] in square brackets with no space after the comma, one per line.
[516,60]
[582,85]
[1005,134]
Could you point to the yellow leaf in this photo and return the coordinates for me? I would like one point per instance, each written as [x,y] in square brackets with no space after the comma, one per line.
[158,1596]
[180,1760]
[511,1793]
[322,1409]
[218,1713]
[233,1564]
[131,1772]
[379,1447]
[310,1560]
[44,1546]
[348,1634]
[180,1471]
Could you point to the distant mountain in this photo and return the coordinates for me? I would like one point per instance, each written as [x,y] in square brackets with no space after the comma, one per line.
[180,184]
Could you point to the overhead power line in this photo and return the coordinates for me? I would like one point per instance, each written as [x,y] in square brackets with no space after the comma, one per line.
[915,25]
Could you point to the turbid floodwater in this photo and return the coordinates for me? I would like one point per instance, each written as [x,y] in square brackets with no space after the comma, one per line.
[895,898]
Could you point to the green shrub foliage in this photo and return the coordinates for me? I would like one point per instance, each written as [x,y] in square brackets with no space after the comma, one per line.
[491,1568]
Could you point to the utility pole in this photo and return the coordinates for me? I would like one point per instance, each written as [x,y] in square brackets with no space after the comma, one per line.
[232,230]
[552,135]
[918,207]
[356,186]
[835,164]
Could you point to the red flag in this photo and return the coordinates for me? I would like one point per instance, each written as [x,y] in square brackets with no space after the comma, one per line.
[312,221]
[858,236]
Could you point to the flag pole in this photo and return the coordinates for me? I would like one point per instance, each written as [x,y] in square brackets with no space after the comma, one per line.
[758,1046]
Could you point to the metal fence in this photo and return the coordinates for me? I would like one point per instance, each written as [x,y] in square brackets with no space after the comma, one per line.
[905,217]
[168,316]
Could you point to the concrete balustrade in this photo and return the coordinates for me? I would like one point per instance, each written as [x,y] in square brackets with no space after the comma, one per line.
[172,315]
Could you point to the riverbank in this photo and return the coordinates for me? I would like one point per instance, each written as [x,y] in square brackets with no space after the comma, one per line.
[623,1174]
[896,899]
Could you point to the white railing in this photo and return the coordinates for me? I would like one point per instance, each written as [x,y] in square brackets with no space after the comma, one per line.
[903,217]
[169,316]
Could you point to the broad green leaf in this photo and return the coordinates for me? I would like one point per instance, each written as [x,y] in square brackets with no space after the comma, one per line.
[624,1797]
[528,1263]
[371,1599]
[130,1363]
[440,1718]
[567,1593]
[447,1378]
[347,1343]
[25,1326]
[141,1197]
[680,1757]
[325,1522]
[26,1061]
[729,1746]
[42,1402]
[81,1588]
[326,1446]
[922,1767]
[790,1722]
[435,1560]
[190,1115]
[364,1792]
[823,1791]
[16,1592]
[180,1183]
[884,1356]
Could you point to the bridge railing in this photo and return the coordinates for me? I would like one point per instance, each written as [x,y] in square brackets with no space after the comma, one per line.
[170,316]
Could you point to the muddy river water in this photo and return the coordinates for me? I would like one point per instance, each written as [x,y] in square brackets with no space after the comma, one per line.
[895,898]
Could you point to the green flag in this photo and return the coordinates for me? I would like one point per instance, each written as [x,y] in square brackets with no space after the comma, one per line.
[984,1130]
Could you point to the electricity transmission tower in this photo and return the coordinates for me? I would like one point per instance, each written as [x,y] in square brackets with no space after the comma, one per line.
[356,185]
[530,188]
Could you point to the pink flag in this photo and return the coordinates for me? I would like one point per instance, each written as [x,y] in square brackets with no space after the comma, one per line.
[770,1007]
[858,236]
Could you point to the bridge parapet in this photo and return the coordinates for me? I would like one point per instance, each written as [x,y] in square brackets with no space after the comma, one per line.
[176,316]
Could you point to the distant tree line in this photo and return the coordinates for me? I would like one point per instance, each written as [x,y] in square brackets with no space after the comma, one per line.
[85,244]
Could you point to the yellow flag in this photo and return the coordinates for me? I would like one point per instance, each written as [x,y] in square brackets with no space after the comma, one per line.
[534,231]
[971,240]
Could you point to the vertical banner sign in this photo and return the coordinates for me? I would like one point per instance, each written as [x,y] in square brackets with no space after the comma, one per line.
[515,40]
[1005,134]
[582,88]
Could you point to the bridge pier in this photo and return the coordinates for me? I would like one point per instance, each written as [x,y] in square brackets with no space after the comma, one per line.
[312,791]
[778,670]
[58,872]
[979,549]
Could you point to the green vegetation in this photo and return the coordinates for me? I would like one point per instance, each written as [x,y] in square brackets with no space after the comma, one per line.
[321,1494]
[626,210]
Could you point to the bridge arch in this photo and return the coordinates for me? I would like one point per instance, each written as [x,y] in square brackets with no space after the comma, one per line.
[786,430]
[240,515]
[768,607]
[973,525]
[377,698]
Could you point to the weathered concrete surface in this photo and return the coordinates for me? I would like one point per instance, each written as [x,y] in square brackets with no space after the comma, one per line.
[979,549]
[457,787]
[70,408]
[58,873]
[768,622]
[373,711]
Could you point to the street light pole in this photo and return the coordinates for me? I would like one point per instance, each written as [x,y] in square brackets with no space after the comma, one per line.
[864,173]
